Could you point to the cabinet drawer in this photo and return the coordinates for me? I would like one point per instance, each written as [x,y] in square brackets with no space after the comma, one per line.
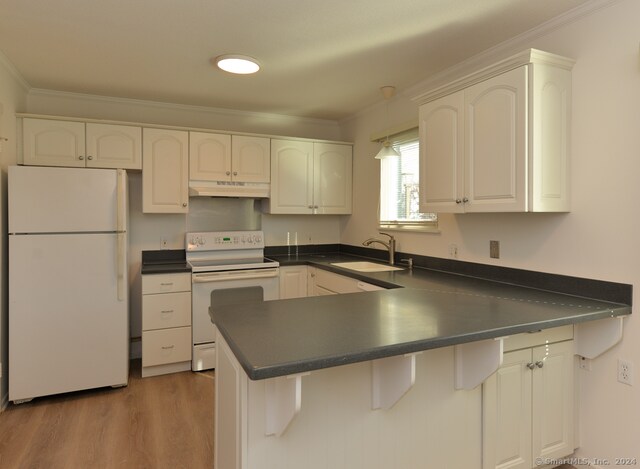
[166,283]
[533,339]
[166,346]
[162,311]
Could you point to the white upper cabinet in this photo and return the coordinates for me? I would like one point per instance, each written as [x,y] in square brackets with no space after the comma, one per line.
[209,156]
[499,140]
[76,144]
[165,181]
[250,159]
[332,179]
[219,157]
[53,143]
[114,146]
[310,178]
[442,133]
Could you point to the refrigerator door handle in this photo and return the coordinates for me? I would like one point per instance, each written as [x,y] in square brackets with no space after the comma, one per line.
[121,265]
[121,201]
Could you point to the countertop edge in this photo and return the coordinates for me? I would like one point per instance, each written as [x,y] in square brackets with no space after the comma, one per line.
[320,363]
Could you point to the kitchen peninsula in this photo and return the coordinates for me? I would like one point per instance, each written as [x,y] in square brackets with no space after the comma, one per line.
[393,378]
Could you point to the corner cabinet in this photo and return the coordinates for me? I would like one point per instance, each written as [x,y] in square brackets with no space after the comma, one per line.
[165,171]
[310,178]
[527,405]
[499,140]
[49,142]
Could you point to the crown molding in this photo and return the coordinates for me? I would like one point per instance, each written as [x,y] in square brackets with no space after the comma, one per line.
[510,46]
[13,71]
[40,92]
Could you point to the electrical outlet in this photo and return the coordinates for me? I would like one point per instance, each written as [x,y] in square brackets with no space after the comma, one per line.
[453,251]
[494,249]
[164,242]
[625,372]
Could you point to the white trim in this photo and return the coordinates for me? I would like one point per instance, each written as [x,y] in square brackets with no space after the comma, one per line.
[511,45]
[172,127]
[14,72]
[36,92]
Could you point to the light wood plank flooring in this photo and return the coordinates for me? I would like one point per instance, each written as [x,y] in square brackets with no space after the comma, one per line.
[159,422]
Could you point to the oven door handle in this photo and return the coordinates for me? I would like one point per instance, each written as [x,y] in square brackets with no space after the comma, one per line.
[233,275]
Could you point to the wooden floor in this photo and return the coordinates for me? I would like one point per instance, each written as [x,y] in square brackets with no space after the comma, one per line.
[160,422]
[153,423]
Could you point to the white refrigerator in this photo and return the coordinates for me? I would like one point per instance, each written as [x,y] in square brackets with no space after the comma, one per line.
[68,288]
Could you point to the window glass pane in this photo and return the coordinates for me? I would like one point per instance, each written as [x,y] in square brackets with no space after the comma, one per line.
[399,190]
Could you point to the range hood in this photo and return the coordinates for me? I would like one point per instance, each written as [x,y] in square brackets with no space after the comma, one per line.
[255,190]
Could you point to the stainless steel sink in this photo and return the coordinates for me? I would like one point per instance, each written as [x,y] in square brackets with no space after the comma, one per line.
[363,266]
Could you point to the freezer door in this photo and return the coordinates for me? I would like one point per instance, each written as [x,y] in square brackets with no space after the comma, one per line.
[67,328]
[59,200]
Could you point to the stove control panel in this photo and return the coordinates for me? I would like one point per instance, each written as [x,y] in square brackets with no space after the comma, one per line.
[224,240]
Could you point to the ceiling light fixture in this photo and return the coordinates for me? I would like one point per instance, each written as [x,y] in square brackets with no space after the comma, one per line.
[238,64]
[387,149]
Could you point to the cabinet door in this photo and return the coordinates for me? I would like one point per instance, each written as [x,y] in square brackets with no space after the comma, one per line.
[442,155]
[332,180]
[496,145]
[209,157]
[291,177]
[165,171]
[293,282]
[114,146]
[506,411]
[553,423]
[250,159]
[53,143]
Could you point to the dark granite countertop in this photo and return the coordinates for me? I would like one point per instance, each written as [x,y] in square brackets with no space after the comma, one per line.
[166,261]
[423,309]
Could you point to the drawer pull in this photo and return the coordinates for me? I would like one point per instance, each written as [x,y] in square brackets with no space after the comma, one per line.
[166,284]
[167,347]
[167,311]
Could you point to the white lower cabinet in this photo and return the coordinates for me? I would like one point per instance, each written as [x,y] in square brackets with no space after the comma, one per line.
[323,282]
[293,281]
[528,407]
[166,323]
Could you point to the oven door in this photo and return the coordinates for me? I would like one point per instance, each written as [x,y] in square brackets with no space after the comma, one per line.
[223,288]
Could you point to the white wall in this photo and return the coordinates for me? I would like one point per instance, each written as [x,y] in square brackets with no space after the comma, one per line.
[598,239]
[12,98]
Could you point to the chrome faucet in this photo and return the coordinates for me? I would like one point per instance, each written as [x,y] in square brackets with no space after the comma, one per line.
[391,245]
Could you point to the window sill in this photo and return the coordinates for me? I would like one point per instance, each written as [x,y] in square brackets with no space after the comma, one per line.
[410,228]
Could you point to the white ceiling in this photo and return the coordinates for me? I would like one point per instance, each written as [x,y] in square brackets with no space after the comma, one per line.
[322,59]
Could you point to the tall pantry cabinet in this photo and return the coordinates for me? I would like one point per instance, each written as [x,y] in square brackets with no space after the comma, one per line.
[498,140]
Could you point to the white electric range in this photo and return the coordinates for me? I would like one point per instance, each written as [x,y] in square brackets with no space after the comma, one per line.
[228,267]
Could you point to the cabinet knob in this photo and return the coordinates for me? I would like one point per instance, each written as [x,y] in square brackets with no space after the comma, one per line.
[235,173]
[531,366]
[81,157]
[89,157]
[228,173]
[458,201]
[184,204]
[540,364]
[465,200]
[309,206]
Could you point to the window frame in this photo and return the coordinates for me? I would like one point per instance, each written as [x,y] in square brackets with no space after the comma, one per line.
[397,139]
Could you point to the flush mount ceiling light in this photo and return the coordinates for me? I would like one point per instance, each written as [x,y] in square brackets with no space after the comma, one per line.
[387,149]
[238,64]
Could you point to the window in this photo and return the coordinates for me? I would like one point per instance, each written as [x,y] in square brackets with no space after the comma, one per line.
[399,189]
